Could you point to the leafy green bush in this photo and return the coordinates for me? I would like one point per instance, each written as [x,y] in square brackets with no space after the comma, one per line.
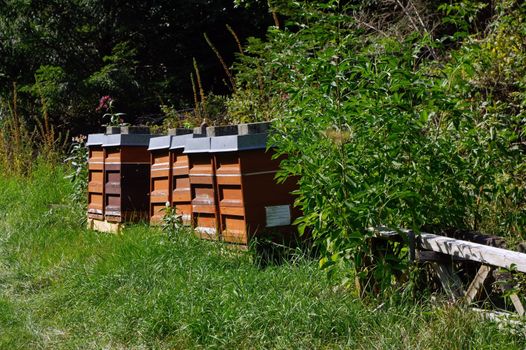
[388,130]
[78,162]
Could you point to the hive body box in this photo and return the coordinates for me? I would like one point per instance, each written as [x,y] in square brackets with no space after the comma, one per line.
[250,201]
[180,186]
[95,176]
[223,186]
[169,177]
[126,177]
[205,216]
[160,173]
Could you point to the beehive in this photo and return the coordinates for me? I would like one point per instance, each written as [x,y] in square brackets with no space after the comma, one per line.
[250,201]
[181,194]
[126,177]
[202,186]
[160,176]
[169,182]
[95,176]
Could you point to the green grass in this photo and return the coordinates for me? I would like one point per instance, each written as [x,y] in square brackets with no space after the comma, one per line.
[64,287]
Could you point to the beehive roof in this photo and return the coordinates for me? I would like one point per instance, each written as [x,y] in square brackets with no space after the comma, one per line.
[127,140]
[161,142]
[197,145]
[238,142]
[179,141]
[95,140]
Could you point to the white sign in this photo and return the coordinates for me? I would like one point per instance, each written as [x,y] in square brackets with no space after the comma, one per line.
[278,215]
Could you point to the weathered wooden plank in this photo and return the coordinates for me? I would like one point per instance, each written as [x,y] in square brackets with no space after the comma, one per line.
[517,304]
[473,251]
[105,226]
[476,285]
[468,250]
[498,316]
[426,255]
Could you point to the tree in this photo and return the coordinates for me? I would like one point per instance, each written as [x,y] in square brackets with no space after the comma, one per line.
[139,52]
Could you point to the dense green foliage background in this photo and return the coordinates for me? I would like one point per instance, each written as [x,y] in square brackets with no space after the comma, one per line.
[397,113]
[64,55]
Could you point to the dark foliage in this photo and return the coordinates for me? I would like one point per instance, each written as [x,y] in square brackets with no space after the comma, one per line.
[66,54]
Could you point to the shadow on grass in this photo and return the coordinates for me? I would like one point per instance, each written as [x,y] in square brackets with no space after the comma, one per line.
[279,250]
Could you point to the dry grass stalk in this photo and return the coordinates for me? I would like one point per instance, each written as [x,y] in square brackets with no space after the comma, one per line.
[19,146]
[199,83]
[222,61]
[236,38]
[196,99]
[276,19]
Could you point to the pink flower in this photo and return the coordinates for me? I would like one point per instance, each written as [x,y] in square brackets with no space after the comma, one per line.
[104,102]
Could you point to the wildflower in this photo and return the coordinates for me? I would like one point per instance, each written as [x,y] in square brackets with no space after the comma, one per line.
[79,139]
[104,102]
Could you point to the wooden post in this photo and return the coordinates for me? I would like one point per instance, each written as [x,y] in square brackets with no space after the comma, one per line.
[476,285]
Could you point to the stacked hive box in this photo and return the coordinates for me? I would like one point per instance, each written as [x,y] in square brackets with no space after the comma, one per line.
[96,177]
[250,200]
[160,180]
[169,183]
[202,184]
[126,177]
[180,185]
[221,184]
[204,205]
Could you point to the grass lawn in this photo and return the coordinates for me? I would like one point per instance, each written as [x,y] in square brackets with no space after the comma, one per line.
[64,287]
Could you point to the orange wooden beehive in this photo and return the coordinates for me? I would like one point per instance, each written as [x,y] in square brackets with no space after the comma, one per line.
[250,201]
[95,176]
[202,185]
[180,180]
[126,177]
[169,182]
[160,173]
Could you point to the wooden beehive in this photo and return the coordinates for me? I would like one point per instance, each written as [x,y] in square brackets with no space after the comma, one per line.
[160,177]
[126,177]
[169,183]
[95,176]
[202,186]
[181,193]
[250,201]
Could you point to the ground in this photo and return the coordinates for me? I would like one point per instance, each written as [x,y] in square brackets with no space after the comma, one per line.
[65,287]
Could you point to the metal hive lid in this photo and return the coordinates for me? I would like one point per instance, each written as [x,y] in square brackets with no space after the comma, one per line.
[179,141]
[197,145]
[238,143]
[127,140]
[95,140]
[161,142]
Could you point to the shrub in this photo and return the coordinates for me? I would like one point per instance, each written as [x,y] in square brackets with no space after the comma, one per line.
[396,130]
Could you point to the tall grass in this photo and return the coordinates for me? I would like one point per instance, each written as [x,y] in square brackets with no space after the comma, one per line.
[24,139]
[64,287]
